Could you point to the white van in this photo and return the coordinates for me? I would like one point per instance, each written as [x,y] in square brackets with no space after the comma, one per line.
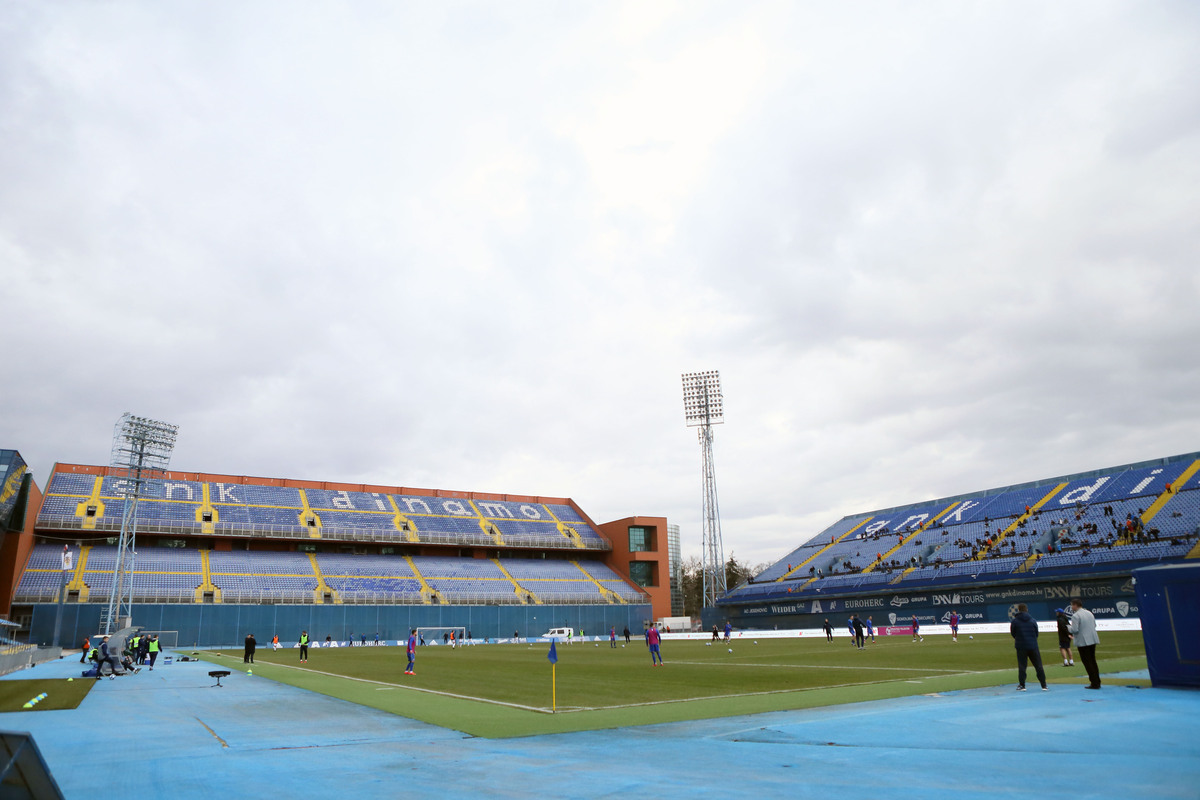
[561,634]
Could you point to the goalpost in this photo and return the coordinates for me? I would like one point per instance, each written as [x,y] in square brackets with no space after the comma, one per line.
[441,635]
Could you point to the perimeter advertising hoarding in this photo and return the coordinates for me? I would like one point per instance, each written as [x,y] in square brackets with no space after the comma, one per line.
[1108,599]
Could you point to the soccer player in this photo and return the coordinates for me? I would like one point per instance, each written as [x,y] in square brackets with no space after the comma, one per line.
[850,625]
[728,630]
[653,638]
[871,629]
[1064,636]
[612,637]
[828,631]
[954,625]
[452,644]
[916,626]
[275,642]
[857,625]
[411,652]
[303,647]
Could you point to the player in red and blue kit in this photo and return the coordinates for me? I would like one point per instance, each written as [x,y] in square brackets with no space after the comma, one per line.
[954,625]
[412,653]
[612,637]
[653,638]
[916,626]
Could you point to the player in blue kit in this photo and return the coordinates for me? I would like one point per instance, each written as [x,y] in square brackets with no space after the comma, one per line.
[412,653]
[870,629]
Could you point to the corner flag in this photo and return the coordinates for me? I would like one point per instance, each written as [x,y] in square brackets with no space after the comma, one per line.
[553,654]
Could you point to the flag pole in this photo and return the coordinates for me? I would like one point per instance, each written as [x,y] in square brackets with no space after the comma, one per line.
[553,657]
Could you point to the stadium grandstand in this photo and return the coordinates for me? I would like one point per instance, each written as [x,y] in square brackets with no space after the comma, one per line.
[979,554]
[218,554]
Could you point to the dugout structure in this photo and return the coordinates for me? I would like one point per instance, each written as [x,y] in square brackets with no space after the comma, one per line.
[1169,597]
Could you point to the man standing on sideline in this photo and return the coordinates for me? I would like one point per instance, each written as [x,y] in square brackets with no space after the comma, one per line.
[152,650]
[411,652]
[1064,636]
[828,631]
[857,626]
[1024,630]
[251,645]
[1083,628]
[653,639]
[954,626]
[626,634]
[303,647]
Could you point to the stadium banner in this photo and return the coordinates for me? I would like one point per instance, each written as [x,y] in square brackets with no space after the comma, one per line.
[1112,598]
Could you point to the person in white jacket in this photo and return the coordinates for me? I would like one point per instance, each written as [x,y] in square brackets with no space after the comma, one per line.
[1083,630]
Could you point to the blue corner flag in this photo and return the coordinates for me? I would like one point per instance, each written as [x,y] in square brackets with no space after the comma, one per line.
[553,654]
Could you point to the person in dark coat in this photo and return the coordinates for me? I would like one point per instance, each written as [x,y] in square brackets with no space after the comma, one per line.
[1024,630]
[251,646]
[858,631]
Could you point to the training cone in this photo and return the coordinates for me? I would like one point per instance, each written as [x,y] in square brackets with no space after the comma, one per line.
[249,672]
[70,679]
[28,705]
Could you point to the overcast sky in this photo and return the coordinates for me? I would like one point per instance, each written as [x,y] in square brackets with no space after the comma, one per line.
[931,247]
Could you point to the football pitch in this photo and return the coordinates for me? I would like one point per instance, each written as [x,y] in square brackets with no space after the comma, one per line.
[506,690]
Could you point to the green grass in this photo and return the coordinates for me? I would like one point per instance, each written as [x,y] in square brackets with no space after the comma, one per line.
[505,690]
[60,694]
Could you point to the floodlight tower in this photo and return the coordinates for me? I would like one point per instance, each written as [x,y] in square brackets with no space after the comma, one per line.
[702,409]
[141,453]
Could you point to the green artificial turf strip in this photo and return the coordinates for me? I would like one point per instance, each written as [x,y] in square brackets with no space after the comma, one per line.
[606,688]
[60,694]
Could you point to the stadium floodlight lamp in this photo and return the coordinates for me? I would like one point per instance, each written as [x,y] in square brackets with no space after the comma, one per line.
[702,402]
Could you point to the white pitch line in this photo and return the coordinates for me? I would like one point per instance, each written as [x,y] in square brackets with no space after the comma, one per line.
[823,666]
[411,688]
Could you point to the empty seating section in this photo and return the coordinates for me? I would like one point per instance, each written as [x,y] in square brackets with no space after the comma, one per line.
[159,573]
[164,574]
[70,483]
[1081,525]
[192,507]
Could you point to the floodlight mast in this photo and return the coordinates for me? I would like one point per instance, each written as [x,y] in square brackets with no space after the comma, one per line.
[141,453]
[703,408]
